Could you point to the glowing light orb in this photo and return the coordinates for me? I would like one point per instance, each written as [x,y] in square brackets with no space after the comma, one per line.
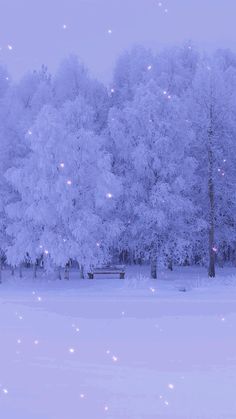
[109,195]
[69,182]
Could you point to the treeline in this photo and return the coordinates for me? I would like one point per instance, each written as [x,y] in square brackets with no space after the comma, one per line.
[142,171]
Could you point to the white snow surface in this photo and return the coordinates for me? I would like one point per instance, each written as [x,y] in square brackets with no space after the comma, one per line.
[119,349]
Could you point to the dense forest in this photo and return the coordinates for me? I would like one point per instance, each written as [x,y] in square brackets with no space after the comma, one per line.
[141,172]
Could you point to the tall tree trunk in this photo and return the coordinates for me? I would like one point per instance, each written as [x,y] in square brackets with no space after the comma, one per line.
[170,264]
[0,271]
[20,271]
[81,270]
[12,271]
[211,196]
[35,270]
[67,272]
[59,273]
[154,262]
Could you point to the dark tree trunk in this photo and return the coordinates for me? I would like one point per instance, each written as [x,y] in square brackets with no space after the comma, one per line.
[81,270]
[211,196]
[170,264]
[35,270]
[67,272]
[0,271]
[59,273]
[12,271]
[20,271]
[154,262]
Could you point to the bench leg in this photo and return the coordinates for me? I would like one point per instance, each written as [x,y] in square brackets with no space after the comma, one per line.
[122,275]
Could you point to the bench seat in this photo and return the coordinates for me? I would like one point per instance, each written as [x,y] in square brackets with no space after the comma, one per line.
[108,270]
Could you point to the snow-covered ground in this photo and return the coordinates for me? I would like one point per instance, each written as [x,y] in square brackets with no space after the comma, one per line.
[119,349]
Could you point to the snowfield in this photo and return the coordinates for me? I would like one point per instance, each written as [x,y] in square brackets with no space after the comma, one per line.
[119,349]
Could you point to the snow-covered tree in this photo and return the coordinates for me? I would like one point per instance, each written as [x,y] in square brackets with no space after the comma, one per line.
[18,109]
[67,191]
[132,69]
[150,137]
[72,80]
[211,102]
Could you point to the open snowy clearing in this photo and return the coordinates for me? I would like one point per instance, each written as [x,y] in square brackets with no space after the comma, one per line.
[119,349]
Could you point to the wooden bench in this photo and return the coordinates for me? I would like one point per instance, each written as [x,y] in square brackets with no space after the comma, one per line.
[108,270]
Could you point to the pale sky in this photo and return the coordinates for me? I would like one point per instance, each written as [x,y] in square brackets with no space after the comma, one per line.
[34,29]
